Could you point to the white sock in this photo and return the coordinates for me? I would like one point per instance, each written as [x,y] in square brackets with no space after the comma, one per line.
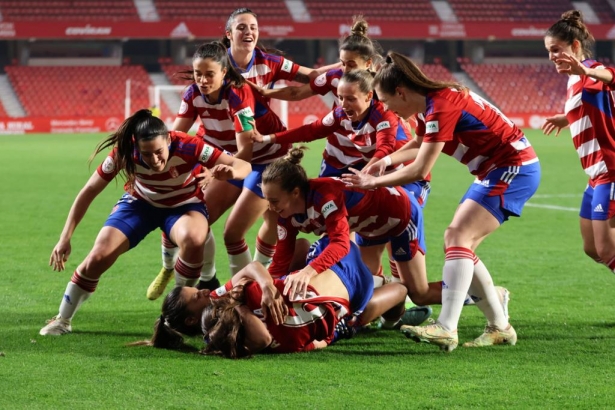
[239,261]
[169,253]
[487,298]
[208,271]
[456,279]
[74,296]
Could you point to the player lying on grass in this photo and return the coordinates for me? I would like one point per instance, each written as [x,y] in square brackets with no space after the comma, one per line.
[255,313]
[453,120]
[161,192]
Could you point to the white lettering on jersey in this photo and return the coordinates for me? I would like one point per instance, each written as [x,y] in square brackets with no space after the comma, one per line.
[183,107]
[108,166]
[432,127]
[246,111]
[383,126]
[287,65]
[328,208]
[321,80]
[481,102]
[281,233]
[328,120]
[206,153]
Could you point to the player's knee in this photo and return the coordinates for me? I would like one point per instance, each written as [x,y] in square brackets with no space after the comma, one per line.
[419,298]
[193,239]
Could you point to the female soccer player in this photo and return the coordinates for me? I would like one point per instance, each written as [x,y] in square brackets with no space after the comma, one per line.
[453,120]
[226,106]
[161,192]
[589,112]
[253,313]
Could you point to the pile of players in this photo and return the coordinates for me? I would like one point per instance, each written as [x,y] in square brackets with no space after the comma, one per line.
[374,182]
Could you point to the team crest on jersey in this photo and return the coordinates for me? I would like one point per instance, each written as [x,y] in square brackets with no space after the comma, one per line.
[328,120]
[108,166]
[183,107]
[321,80]
[383,126]
[431,127]
[281,233]
[206,153]
[335,82]
[287,65]
[328,208]
[173,172]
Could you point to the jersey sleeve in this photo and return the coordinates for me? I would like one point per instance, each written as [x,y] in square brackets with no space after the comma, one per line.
[286,70]
[323,83]
[208,155]
[241,103]
[284,250]
[186,108]
[386,135]
[309,132]
[440,122]
[107,170]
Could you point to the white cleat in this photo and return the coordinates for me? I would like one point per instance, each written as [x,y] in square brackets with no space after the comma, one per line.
[56,326]
[494,336]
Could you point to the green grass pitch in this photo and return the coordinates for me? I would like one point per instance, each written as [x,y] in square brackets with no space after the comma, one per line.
[561,308]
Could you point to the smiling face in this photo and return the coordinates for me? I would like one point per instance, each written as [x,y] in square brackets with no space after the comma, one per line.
[353,101]
[244,33]
[282,202]
[557,48]
[155,152]
[352,61]
[208,76]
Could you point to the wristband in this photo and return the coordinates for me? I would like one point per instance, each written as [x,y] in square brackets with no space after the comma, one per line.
[267,139]
[387,160]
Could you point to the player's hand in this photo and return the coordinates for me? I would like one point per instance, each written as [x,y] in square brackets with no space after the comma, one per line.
[222,172]
[320,344]
[273,305]
[377,168]
[261,90]
[204,178]
[296,284]
[256,136]
[569,64]
[359,179]
[555,123]
[60,255]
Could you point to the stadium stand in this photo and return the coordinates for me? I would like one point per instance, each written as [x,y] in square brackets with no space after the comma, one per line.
[77,90]
[85,10]
[603,10]
[219,11]
[510,10]
[520,88]
[416,10]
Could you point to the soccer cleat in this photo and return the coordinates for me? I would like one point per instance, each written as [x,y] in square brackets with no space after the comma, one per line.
[56,326]
[211,284]
[343,330]
[494,336]
[434,334]
[504,295]
[416,315]
[157,287]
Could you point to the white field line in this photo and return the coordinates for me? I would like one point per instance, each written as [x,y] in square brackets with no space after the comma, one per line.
[554,207]
[546,196]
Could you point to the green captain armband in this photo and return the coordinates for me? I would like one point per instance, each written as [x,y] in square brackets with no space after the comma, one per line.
[245,116]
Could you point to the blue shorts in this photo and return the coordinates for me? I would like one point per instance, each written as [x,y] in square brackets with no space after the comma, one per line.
[253,181]
[406,244]
[420,190]
[598,203]
[136,218]
[504,191]
[327,170]
[353,273]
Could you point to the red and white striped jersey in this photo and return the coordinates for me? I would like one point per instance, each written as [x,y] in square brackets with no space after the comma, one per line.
[590,110]
[265,69]
[475,132]
[220,122]
[334,208]
[348,143]
[174,186]
[327,82]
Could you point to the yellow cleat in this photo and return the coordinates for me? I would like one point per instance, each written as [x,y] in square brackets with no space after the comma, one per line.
[494,336]
[433,334]
[157,287]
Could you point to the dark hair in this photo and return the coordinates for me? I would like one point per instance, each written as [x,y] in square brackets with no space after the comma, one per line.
[359,42]
[216,52]
[141,126]
[170,328]
[229,23]
[223,328]
[364,78]
[288,172]
[400,70]
[571,27]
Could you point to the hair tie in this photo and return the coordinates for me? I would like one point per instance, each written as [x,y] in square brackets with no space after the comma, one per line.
[388,59]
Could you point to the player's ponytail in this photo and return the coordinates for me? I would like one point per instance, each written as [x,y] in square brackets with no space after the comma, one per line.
[570,28]
[142,125]
[399,70]
[359,42]
[288,172]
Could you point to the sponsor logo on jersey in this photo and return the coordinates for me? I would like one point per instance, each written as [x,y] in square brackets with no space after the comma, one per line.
[183,107]
[383,126]
[328,120]
[321,80]
[281,233]
[245,112]
[108,166]
[598,208]
[205,114]
[431,127]
[206,153]
[220,291]
[400,252]
[328,208]
[287,65]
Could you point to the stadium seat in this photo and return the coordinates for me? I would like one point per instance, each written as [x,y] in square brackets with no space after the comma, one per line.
[37,10]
